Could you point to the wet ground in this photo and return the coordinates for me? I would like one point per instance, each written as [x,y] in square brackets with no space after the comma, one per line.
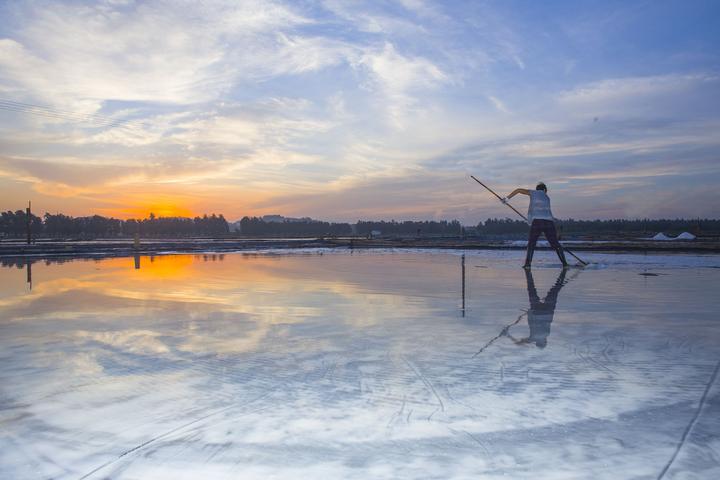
[375,364]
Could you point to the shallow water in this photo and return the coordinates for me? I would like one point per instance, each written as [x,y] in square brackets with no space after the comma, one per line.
[326,364]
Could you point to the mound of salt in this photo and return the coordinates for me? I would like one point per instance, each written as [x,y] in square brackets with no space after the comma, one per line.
[661,236]
[685,236]
[523,243]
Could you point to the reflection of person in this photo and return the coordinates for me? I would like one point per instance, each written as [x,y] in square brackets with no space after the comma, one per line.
[541,221]
[541,312]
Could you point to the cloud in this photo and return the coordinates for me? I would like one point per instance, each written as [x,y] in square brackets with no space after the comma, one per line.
[399,77]
[405,194]
[65,55]
[398,74]
[658,96]
[498,104]
[372,19]
[280,105]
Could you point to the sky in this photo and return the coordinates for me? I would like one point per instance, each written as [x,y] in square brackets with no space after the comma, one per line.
[348,110]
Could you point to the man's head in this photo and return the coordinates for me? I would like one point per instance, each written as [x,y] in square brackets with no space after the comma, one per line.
[541,186]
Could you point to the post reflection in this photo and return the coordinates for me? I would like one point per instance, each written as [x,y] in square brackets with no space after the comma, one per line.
[28,267]
[462,273]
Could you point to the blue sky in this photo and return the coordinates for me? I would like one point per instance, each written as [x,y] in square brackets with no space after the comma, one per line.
[355,110]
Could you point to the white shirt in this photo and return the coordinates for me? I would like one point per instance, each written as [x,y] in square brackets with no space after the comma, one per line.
[539,208]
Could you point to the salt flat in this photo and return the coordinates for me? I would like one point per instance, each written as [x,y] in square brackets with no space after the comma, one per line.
[379,364]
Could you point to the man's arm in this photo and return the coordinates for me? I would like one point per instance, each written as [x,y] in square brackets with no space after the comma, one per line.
[524,191]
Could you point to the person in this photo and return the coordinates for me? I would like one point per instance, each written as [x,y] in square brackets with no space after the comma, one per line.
[541,220]
[541,312]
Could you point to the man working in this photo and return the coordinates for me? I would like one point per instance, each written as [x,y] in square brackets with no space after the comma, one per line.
[541,221]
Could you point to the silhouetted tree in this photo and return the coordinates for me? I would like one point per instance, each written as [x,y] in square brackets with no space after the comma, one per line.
[616,227]
[408,227]
[59,225]
[257,226]
[15,223]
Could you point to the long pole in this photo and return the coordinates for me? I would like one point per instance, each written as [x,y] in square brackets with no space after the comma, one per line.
[503,332]
[523,216]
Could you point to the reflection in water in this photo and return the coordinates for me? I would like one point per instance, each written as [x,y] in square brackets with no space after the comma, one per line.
[170,264]
[330,365]
[20,263]
[462,272]
[541,312]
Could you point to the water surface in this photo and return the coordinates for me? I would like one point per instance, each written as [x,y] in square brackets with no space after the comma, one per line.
[384,364]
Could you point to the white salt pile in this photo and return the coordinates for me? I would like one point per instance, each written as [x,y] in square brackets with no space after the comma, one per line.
[523,243]
[661,236]
[683,236]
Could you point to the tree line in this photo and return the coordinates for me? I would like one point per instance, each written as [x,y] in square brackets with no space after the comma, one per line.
[409,227]
[506,226]
[95,226]
[257,226]
[14,224]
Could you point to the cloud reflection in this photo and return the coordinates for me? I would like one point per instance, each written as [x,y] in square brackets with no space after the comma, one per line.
[344,364]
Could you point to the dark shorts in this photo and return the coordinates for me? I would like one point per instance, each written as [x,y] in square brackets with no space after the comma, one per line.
[546,227]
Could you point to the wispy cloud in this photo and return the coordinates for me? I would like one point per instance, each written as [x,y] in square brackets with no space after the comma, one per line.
[253,105]
[399,78]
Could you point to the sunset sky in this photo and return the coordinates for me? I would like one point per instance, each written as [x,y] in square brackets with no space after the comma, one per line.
[347,110]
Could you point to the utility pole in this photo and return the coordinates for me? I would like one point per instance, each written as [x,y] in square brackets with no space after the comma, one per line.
[28,223]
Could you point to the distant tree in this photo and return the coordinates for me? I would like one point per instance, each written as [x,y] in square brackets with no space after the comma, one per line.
[408,227]
[613,227]
[15,223]
[257,226]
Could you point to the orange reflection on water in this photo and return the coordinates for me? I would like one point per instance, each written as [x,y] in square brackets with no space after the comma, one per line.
[222,304]
[275,288]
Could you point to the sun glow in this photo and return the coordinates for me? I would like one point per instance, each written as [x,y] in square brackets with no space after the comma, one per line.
[155,208]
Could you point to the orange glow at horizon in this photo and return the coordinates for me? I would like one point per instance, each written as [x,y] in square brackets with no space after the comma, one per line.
[187,203]
[158,209]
